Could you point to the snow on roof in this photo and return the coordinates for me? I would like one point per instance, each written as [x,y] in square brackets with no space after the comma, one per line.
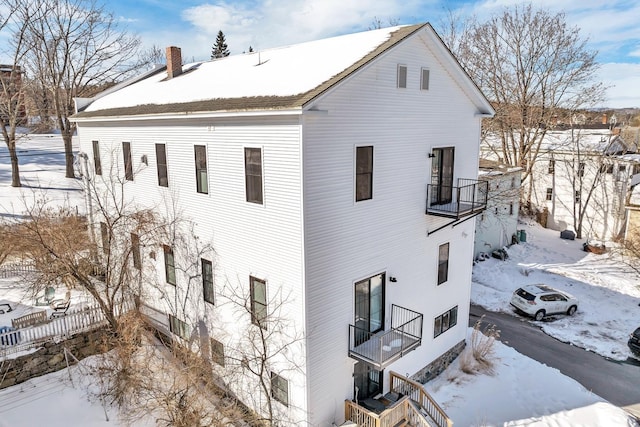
[598,140]
[277,72]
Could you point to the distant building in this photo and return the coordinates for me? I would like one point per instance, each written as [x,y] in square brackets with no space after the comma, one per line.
[497,225]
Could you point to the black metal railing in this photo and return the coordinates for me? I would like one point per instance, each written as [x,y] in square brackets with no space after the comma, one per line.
[470,196]
[383,347]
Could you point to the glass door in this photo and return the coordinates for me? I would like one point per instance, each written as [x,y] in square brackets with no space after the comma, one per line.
[369,309]
[442,175]
[366,380]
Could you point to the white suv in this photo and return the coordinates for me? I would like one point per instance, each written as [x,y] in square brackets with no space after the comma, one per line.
[541,300]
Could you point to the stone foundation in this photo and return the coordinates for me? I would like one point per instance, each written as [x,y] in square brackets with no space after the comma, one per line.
[436,367]
[50,357]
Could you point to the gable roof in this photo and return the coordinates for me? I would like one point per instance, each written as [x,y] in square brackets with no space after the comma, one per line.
[286,78]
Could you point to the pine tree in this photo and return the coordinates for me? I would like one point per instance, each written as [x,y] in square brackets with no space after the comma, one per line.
[220,47]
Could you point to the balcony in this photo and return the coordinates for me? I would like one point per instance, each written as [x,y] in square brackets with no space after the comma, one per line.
[469,197]
[382,348]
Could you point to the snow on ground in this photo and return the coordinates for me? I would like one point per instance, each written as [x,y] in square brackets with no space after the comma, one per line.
[521,392]
[608,292]
[41,163]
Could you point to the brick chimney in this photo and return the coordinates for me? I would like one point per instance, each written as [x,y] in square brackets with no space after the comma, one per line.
[174,62]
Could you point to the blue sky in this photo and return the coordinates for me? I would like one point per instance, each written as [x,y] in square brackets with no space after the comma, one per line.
[613,26]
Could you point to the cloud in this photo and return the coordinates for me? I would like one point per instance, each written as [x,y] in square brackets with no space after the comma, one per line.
[625,90]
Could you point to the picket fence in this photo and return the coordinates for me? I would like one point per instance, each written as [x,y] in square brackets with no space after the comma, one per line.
[15,269]
[56,329]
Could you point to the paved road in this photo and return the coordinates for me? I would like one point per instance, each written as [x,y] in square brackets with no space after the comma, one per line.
[617,382]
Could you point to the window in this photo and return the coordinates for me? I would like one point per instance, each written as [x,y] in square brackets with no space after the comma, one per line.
[364,173]
[207,280]
[402,76]
[621,168]
[253,174]
[97,164]
[445,321]
[258,302]
[610,168]
[104,233]
[549,193]
[513,182]
[577,196]
[202,180]
[169,265]
[552,167]
[217,352]
[510,208]
[424,79]
[443,263]
[128,165]
[581,169]
[279,389]
[135,251]
[161,164]
[179,327]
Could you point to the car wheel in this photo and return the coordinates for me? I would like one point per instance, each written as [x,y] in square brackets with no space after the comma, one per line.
[539,315]
[572,310]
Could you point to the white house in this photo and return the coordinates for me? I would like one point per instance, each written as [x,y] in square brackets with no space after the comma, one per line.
[585,173]
[497,225]
[334,179]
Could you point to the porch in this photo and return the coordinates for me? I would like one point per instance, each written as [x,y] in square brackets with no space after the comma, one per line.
[382,348]
[406,404]
[469,197]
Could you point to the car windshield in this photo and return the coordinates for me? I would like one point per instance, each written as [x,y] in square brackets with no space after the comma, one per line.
[526,295]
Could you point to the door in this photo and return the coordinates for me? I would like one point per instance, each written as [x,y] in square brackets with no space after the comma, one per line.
[442,175]
[369,309]
[367,381]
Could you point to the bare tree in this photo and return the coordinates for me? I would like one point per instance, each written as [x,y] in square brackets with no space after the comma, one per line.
[377,23]
[78,48]
[12,97]
[530,64]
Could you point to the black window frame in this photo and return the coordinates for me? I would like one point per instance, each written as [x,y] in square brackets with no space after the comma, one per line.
[577,196]
[253,175]
[128,160]
[105,236]
[443,264]
[549,193]
[552,167]
[581,167]
[403,72]
[169,265]
[259,309]
[208,290]
[202,174]
[97,162]
[445,321]
[424,78]
[161,165]
[280,389]
[179,327]
[364,173]
[217,352]
[135,251]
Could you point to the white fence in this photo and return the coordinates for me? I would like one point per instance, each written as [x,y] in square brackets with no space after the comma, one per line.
[56,329]
[15,269]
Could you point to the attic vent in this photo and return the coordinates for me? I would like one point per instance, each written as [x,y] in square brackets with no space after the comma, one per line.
[402,76]
[424,79]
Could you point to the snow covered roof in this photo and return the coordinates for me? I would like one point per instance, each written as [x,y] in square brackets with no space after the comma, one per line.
[489,168]
[273,79]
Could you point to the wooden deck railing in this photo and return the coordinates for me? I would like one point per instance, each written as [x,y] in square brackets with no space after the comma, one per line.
[403,385]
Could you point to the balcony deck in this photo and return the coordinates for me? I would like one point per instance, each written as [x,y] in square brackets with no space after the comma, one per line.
[469,197]
[382,348]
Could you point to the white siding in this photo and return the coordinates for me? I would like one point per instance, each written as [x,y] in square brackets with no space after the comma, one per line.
[248,239]
[347,241]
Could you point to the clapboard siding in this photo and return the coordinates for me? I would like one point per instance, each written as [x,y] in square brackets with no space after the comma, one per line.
[347,241]
[249,239]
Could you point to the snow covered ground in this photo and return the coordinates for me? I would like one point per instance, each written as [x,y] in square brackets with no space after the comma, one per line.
[608,312]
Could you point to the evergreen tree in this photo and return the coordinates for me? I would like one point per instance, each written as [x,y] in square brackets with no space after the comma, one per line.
[220,47]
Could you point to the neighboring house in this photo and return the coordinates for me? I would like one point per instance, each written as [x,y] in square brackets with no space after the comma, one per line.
[497,225]
[11,96]
[581,179]
[336,177]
